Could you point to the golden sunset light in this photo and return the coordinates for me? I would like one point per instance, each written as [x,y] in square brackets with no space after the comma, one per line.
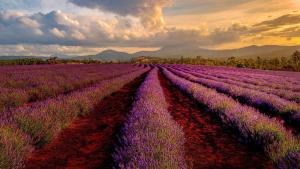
[85,27]
[149,84]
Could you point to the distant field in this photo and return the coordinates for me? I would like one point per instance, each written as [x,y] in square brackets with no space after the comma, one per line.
[148,116]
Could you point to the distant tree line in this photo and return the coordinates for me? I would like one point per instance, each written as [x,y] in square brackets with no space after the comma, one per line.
[51,60]
[291,63]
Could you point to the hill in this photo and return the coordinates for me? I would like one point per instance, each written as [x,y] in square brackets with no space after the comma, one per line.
[246,52]
[107,55]
[268,51]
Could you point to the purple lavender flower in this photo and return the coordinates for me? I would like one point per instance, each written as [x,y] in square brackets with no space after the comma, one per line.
[264,101]
[253,126]
[35,124]
[150,137]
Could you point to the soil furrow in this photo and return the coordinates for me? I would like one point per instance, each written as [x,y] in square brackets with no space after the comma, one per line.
[88,142]
[209,144]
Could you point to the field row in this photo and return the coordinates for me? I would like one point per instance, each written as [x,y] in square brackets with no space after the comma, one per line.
[263,97]
[19,87]
[150,136]
[246,83]
[35,125]
[255,73]
[268,103]
[275,82]
[254,127]
[144,126]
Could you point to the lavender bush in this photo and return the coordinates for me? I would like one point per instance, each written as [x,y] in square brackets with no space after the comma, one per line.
[35,125]
[278,80]
[14,145]
[150,137]
[231,79]
[290,111]
[19,86]
[282,147]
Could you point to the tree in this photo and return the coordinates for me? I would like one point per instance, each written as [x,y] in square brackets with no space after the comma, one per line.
[52,60]
[296,57]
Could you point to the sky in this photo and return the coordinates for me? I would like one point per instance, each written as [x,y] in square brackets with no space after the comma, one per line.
[80,27]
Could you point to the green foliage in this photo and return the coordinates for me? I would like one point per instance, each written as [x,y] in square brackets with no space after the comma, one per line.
[39,130]
[52,60]
[291,63]
[22,62]
[11,100]
[12,147]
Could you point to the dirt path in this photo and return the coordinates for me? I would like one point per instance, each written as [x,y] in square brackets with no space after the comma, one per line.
[209,145]
[88,142]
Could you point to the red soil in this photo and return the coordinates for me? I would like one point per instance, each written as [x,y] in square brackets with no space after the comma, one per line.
[209,144]
[88,142]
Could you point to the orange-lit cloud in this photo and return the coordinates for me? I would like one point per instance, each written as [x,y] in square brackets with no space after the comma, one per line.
[138,24]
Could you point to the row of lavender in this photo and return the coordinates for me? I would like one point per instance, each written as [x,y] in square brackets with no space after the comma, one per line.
[34,125]
[268,103]
[243,82]
[255,73]
[150,137]
[32,85]
[275,82]
[253,127]
[19,78]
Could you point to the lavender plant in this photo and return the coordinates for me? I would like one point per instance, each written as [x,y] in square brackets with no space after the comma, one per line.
[231,79]
[19,86]
[272,79]
[290,111]
[35,125]
[150,137]
[282,147]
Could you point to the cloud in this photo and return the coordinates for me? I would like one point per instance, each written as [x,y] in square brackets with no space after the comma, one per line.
[284,26]
[45,50]
[149,11]
[229,34]
[291,32]
[203,6]
[61,28]
[67,30]
[188,7]
[17,4]
[288,19]
[273,6]
[57,33]
[197,37]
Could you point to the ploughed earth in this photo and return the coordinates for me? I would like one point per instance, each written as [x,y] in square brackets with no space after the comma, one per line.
[88,141]
[209,144]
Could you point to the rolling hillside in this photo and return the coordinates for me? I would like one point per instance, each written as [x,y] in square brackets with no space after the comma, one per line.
[108,55]
[250,51]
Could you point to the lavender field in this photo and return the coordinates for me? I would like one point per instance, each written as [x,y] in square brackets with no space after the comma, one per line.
[163,116]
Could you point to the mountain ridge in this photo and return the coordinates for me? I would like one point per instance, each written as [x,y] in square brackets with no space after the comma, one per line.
[249,51]
[107,55]
[266,51]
